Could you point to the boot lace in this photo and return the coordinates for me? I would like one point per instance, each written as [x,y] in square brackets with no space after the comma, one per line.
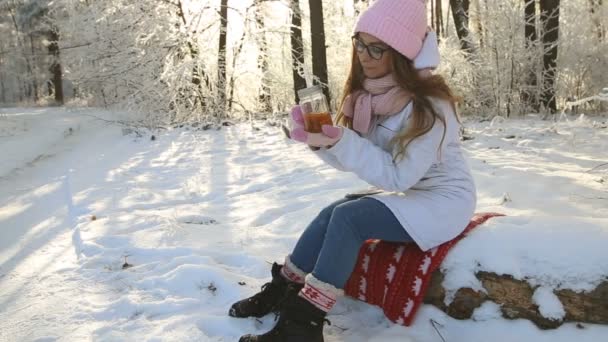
[266,291]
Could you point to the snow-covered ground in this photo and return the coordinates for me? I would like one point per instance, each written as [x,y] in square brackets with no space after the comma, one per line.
[199,216]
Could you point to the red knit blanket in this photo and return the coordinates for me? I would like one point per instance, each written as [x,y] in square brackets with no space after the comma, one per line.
[395,276]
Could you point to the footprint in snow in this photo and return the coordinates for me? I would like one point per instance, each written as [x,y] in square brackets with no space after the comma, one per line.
[197,219]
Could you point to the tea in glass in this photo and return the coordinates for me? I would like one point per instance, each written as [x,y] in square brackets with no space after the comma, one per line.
[315,109]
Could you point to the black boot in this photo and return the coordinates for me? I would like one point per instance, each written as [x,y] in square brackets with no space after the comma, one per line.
[265,301]
[299,321]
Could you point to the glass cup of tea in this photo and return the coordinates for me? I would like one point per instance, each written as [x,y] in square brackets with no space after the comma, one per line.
[315,109]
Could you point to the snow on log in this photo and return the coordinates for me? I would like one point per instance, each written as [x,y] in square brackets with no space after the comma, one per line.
[517,299]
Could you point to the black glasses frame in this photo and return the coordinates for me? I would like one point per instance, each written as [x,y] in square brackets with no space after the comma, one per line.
[375,52]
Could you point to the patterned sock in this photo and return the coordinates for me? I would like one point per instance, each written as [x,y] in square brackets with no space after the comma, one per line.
[291,272]
[320,294]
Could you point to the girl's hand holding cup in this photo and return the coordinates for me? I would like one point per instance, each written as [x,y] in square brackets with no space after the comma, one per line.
[328,136]
[311,121]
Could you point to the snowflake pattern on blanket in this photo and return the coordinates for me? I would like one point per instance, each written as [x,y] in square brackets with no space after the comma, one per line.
[395,276]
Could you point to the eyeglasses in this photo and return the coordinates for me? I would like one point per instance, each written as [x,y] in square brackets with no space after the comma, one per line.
[373,51]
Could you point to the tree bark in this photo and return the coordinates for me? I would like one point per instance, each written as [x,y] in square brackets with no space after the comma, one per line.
[317,38]
[297,48]
[264,98]
[549,10]
[55,68]
[221,59]
[515,300]
[460,13]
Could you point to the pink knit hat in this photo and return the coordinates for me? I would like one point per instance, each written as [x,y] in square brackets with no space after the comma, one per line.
[401,24]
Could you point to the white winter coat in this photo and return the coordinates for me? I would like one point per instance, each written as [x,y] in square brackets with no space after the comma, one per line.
[432,194]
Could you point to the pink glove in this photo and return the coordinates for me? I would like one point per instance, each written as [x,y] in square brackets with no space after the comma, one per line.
[330,136]
[296,116]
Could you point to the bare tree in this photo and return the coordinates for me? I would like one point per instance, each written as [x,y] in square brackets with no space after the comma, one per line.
[478,23]
[235,57]
[297,47]
[34,71]
[3,89]
[550,19]
[531,37]
[55,68]
[198,74]
[34,17]
[433,15]
[530,22]
[317,35]
[438,18]
[460,13]
[264,98]
[221,59]
[12,8]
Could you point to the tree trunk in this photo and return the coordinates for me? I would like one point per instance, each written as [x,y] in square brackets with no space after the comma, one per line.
[264,99]
[515,300]
[221,59]
[34,76]
[2,86]
[55,68]
[530,25]
[528,94]
[439,18]
[317,38]
[3,89]
[549,10]
[433,22]
[297,48]
[460,13]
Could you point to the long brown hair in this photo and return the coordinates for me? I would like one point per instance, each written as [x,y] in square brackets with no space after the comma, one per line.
[423,116]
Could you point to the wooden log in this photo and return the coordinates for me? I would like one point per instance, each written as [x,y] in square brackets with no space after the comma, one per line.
[515,298]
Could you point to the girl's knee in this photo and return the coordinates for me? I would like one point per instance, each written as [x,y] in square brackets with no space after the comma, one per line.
[326,213]
[323,217]
[342,220]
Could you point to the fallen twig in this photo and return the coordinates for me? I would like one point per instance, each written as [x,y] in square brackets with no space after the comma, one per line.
[435,324]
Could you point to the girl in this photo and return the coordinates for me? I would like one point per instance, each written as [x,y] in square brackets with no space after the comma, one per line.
[398,131]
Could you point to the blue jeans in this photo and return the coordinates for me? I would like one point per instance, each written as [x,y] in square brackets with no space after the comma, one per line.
[329,246]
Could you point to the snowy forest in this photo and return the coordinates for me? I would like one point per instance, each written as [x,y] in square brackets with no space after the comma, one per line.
[185,60]
[154,173]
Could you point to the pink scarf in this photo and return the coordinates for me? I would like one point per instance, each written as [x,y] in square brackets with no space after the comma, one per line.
[381,96]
